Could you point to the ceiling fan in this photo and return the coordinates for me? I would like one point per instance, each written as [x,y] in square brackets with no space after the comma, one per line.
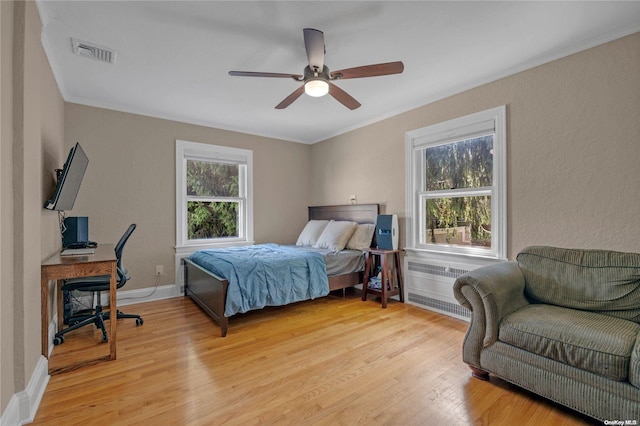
[318,79]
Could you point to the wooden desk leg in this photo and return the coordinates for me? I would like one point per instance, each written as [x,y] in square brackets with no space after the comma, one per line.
[44,314]
[385,277]
[113,314]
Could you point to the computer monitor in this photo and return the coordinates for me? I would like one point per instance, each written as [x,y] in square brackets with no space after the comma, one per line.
[69,180]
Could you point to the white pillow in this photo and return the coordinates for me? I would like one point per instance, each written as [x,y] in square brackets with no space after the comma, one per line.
[335,235]
[311,232]
[361,238]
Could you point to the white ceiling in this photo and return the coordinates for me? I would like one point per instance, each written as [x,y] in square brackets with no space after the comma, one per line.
[172,58]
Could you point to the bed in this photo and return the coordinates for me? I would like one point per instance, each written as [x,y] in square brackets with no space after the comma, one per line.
[216,294]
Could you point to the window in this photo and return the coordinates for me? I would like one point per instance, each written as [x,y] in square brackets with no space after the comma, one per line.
[213,195]
[456,185]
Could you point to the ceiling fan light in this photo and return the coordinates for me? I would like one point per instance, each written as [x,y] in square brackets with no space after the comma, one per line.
[316,88]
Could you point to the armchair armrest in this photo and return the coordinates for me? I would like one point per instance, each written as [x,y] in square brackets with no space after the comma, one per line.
[490,293]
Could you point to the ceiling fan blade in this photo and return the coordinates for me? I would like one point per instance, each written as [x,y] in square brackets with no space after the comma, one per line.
[292,97]
[343,97]
[370,70]
[314,44]
[264,74]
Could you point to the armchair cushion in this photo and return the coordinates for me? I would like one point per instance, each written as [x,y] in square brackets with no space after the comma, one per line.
[581,339]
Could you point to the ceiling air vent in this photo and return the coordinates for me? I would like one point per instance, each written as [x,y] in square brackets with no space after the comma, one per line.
[82,48]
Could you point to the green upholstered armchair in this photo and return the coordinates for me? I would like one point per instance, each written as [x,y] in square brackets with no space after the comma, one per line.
[562,323]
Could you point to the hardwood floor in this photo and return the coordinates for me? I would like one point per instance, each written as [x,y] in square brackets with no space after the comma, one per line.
[328,361]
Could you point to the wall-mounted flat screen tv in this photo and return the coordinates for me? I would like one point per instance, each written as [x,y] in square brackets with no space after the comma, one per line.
[69,181]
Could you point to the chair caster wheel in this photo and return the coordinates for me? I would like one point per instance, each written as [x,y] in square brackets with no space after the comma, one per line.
[139,321]
[105,339]
[58,340]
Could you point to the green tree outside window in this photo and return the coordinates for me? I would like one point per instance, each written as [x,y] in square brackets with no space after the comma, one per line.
[455,166]
[213,199]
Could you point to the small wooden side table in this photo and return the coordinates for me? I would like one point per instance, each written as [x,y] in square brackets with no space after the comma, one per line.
[391,284]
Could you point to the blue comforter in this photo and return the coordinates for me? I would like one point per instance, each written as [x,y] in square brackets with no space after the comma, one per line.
[265,275]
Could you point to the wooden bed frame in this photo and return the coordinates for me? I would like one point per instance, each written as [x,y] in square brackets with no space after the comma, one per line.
[209,291]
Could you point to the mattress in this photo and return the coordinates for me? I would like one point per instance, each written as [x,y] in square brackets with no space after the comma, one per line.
[338,263]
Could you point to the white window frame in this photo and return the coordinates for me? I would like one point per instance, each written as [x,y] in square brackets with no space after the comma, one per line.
[186,150]
[473,125]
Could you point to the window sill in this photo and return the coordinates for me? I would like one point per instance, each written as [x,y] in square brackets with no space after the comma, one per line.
[468,258]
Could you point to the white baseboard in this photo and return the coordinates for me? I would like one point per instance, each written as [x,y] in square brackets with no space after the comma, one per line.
[129,297]
[11,416]
[23,406]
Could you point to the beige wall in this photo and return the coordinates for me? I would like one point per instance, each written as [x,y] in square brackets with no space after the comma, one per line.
[573,141]
[7,388]
[32,125]
[53,156]
[131,179]
[52,146]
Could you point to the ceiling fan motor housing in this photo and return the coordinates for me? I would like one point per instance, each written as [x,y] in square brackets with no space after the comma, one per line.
[309,74]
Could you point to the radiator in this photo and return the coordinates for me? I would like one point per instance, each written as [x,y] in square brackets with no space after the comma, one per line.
[430,285]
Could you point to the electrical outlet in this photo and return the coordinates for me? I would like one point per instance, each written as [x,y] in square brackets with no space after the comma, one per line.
[353,199]
[159,270]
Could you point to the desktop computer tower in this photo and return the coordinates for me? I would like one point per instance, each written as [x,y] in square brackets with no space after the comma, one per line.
[76,230]
[387,231]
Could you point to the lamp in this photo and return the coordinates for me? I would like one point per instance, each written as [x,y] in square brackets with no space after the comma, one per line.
[316,88]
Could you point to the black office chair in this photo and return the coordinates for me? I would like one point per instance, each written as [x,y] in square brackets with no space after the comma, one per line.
[96,285]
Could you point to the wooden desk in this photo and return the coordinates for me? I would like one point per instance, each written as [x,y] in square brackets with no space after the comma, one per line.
[57,268]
